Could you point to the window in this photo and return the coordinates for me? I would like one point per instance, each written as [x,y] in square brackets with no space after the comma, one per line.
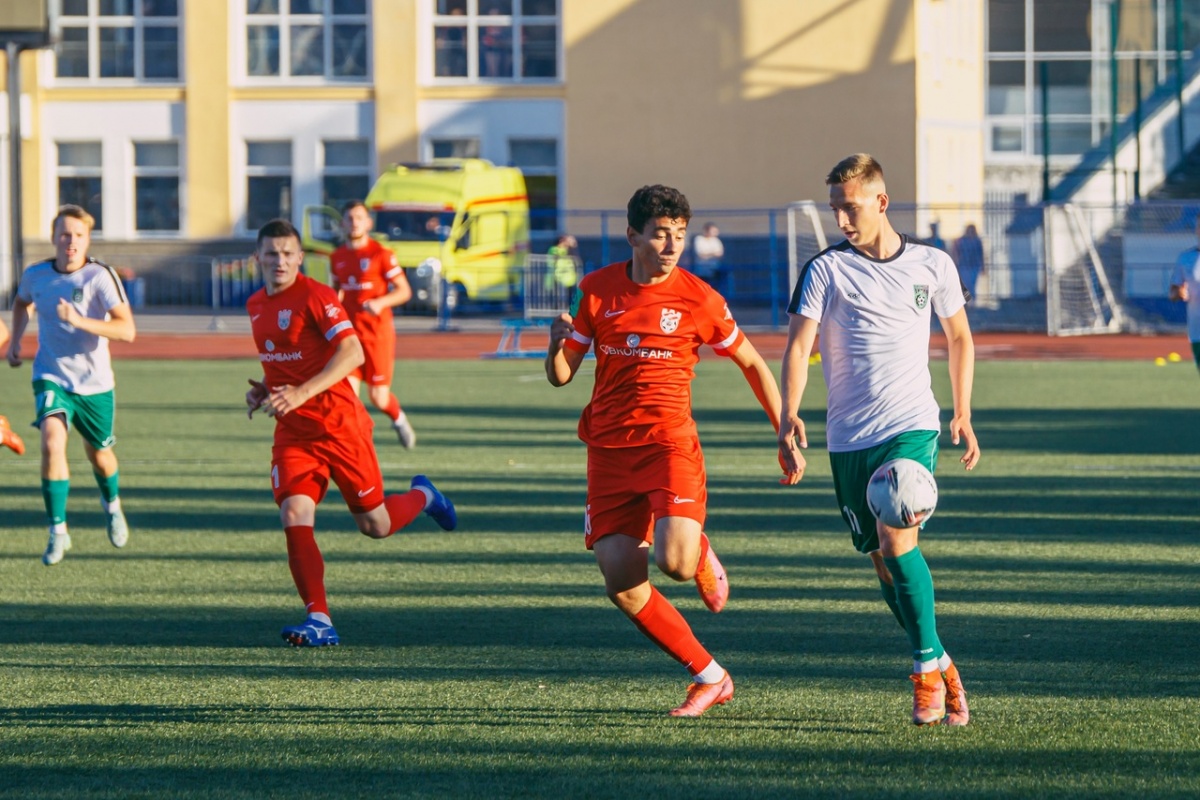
[455,148]
[119,39]
[538,160]
[79,178]
[156,186]
[347,171]
[321,39]
[268,182]
[495,40]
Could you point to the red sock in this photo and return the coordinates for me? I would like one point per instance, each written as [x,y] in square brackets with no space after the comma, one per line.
[403,508]
[308,567]
[393,407]
[665,626]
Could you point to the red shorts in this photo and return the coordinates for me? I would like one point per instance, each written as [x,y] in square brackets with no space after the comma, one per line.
[349,458]
[631,487]
[379,351]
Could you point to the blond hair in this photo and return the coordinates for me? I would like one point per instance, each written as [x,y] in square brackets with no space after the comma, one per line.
[860,166]
[74,212]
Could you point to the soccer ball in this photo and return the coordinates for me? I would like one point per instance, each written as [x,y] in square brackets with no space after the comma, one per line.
[902,493]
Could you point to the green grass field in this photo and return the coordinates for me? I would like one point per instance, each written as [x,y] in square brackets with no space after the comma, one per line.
[487,663]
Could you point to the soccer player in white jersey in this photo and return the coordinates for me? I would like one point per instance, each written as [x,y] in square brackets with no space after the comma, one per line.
[80,304]
[871,297]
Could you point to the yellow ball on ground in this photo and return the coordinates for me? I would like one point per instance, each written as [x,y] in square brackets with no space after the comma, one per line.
[1160,362]
[1173,357]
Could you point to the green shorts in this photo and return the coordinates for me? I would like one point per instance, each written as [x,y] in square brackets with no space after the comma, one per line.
[853,470]
[90,414]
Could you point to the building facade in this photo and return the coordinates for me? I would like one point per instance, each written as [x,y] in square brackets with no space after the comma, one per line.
[183,124]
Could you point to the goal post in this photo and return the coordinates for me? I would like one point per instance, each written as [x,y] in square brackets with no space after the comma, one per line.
[806,238]
[1080,299]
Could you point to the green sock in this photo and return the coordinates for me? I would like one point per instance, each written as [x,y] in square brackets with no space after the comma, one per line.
[914,597]
[54,495]
[889,597]
[108,486]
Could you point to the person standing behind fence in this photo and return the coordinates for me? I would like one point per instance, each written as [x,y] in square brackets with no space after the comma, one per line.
[1185,288]
[561,269]
[370,283]
[968,255]
[80,304]
[707,252]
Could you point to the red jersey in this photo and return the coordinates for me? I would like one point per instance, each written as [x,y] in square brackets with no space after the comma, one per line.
[364,274]
[296,332]
[647,340]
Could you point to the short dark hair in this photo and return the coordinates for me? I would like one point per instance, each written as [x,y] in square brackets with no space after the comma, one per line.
[349,204]
[654,201]
[277,229]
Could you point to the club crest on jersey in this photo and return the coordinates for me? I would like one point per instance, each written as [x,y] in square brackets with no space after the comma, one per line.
[921,295]
[364,264]
[285,318]
[669,320]
[633,340]
[77,295]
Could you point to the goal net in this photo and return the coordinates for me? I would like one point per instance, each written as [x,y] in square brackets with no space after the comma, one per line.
[1080,298]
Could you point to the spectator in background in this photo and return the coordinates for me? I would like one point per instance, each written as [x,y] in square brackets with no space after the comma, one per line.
[708,251]
[968,256]
[935,238]
[562,271]
[1185,288]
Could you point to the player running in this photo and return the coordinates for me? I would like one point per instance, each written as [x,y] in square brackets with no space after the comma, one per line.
[872,295]
[9,437]
[646,320]
[80,304]
[308,347]
[370,284]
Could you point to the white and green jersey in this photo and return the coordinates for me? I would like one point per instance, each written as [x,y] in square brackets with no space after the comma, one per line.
[75,360]
[875,319]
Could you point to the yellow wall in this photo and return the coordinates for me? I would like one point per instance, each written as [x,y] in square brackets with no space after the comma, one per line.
[206,32]
[950,106]
[395,47]
[739,104]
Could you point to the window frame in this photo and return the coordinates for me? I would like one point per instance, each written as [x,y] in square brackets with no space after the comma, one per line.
[365,170]
[94,22]
[253,171]
[73,171]
[283,21]
[473,22]
[175,172]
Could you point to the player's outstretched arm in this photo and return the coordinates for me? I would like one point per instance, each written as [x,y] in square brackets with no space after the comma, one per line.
[347,356]
[20,318]
[802,336]
[561,362]
[962,379]
[119,327]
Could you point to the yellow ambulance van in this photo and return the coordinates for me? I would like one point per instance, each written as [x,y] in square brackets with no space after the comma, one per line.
[464,219]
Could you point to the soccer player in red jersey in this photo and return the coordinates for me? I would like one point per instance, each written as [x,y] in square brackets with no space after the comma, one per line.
[646,320]
[9,437]
[370,284]
[308,347]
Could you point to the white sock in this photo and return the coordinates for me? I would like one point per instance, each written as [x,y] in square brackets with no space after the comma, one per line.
[428,494]
[925,666]
[58,528]
[944,662]
[317,616]
[713,673]
[111,507]
[400,419]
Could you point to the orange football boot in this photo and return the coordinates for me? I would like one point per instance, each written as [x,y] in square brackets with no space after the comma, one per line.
[957,712]
[703,696]
[711,581]
[9,438]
